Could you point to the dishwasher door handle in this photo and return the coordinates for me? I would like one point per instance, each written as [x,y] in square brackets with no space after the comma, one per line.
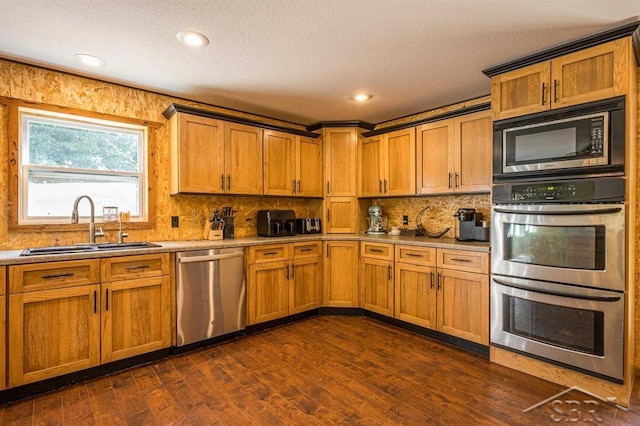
[209,258]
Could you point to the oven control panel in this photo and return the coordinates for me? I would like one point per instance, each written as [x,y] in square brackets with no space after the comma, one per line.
[553,191]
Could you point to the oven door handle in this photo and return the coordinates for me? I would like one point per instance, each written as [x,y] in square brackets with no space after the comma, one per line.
[612,210]
[558,293]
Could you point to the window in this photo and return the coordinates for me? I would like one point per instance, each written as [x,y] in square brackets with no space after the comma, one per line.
[63,156]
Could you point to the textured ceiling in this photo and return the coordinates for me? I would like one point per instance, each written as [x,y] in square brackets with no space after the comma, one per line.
[299,60]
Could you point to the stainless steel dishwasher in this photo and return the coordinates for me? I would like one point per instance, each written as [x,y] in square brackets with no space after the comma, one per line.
[210,294]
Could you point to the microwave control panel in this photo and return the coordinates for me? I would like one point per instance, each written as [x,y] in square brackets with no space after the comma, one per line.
[554,191]
[597,135]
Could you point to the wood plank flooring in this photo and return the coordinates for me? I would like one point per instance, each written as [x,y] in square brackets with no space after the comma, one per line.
[323,370]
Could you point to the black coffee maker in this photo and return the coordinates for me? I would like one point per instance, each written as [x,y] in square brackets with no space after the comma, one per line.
[470,226]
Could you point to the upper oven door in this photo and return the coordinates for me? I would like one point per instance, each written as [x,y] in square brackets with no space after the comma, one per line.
[575,244]
[567,143]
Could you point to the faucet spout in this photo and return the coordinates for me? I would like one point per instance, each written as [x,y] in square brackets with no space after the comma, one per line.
[92,223]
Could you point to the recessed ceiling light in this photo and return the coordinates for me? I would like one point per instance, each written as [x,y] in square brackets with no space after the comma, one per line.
[360,97]
[191,38]
[89,60]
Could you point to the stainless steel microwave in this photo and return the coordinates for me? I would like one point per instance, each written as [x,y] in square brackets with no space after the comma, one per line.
[583,140]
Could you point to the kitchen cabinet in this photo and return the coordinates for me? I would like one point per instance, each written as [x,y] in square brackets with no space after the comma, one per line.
[283,279]
[387,164]
[455,155]
[210,156]
[3,327]
[341,147]
[377,277]
[341,274]
[341,215]
[53,326]
[292,165]
[587,75]
[444,290]
[136,305]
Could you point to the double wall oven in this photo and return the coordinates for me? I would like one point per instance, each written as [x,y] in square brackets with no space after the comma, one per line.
[558,267]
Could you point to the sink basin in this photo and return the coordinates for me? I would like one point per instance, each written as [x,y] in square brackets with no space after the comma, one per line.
[84,248]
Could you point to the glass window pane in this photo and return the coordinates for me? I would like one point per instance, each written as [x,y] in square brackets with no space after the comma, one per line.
[74,145]
[51,194]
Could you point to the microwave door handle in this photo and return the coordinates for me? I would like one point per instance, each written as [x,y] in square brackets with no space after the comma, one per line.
[561,213]
[557,293]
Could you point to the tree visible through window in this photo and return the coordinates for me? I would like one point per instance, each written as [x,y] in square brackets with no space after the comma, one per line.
[64,156]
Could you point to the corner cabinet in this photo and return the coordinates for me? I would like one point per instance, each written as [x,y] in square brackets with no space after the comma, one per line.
[455,155]
[210,156]
[341,169]
[587,75]
[341,274]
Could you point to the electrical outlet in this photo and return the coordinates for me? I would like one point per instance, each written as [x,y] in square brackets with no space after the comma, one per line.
[174,221]
[405,219]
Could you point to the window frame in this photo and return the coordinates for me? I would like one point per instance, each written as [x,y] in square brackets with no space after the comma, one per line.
[11,116]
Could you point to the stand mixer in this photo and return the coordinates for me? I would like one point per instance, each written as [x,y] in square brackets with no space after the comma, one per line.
[376,222]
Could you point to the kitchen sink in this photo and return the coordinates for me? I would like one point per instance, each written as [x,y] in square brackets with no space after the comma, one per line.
[85,248]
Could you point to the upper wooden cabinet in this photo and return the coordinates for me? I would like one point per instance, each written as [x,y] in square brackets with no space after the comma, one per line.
[341,146]
[387,165]
[292,165]
[591,74]
[455,155]
[210,156]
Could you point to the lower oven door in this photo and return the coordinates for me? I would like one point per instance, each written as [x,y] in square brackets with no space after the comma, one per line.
[580,244]
[578,327]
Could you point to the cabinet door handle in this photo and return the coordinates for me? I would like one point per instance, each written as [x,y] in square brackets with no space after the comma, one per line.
[431,280]
[66,274]
[329,215]
[328,250]
[455,259]
[293,187]
[543,90]
[222,181]
[293,271]
[95,302]
[449,180]
[228,181]
[385,186]
[380,186]
[456,180]
[555,91]
[106,299]
[133,268]
[389,273]
[287,273]
[438,281]
[298,186]
[327,188]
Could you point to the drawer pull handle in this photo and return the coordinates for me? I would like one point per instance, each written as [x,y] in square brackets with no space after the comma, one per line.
[66,274]
[133,268]
[455,259]
[376,250]
[270,253]
[306,249]
[95,302]
[413,255]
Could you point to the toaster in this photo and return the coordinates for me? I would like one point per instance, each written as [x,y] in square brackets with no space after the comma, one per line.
[276,223]
[308,225]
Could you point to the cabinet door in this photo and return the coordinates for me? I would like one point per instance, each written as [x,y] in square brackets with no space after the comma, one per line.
[435,153]
[376,285]
[596,73]
[341,274]
[268,296]
[415,295]
[243,159]
[341,215]
[370,167]
[53,332]
[3,346]
[309,167]
[341,162]
[198,160]
[463,305]
[473,152]
[400,165]
[520,92]
[279,163]
[136,317]
[305,285]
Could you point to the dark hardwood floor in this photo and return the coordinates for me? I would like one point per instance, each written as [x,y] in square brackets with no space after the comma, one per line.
[323,370]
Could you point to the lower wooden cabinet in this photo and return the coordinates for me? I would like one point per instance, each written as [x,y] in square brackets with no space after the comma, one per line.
[341,274]
[53,332]
[3,327]
[377,277]
[280,288]
[415,294]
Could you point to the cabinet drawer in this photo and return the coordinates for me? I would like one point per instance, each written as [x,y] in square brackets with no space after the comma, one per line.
[129,267]
[376,250]
[460,260]
[46,276]
[425,256]
[302,250]
[268,253]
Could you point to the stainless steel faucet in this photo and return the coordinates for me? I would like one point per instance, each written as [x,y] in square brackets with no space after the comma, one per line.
[92,224]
